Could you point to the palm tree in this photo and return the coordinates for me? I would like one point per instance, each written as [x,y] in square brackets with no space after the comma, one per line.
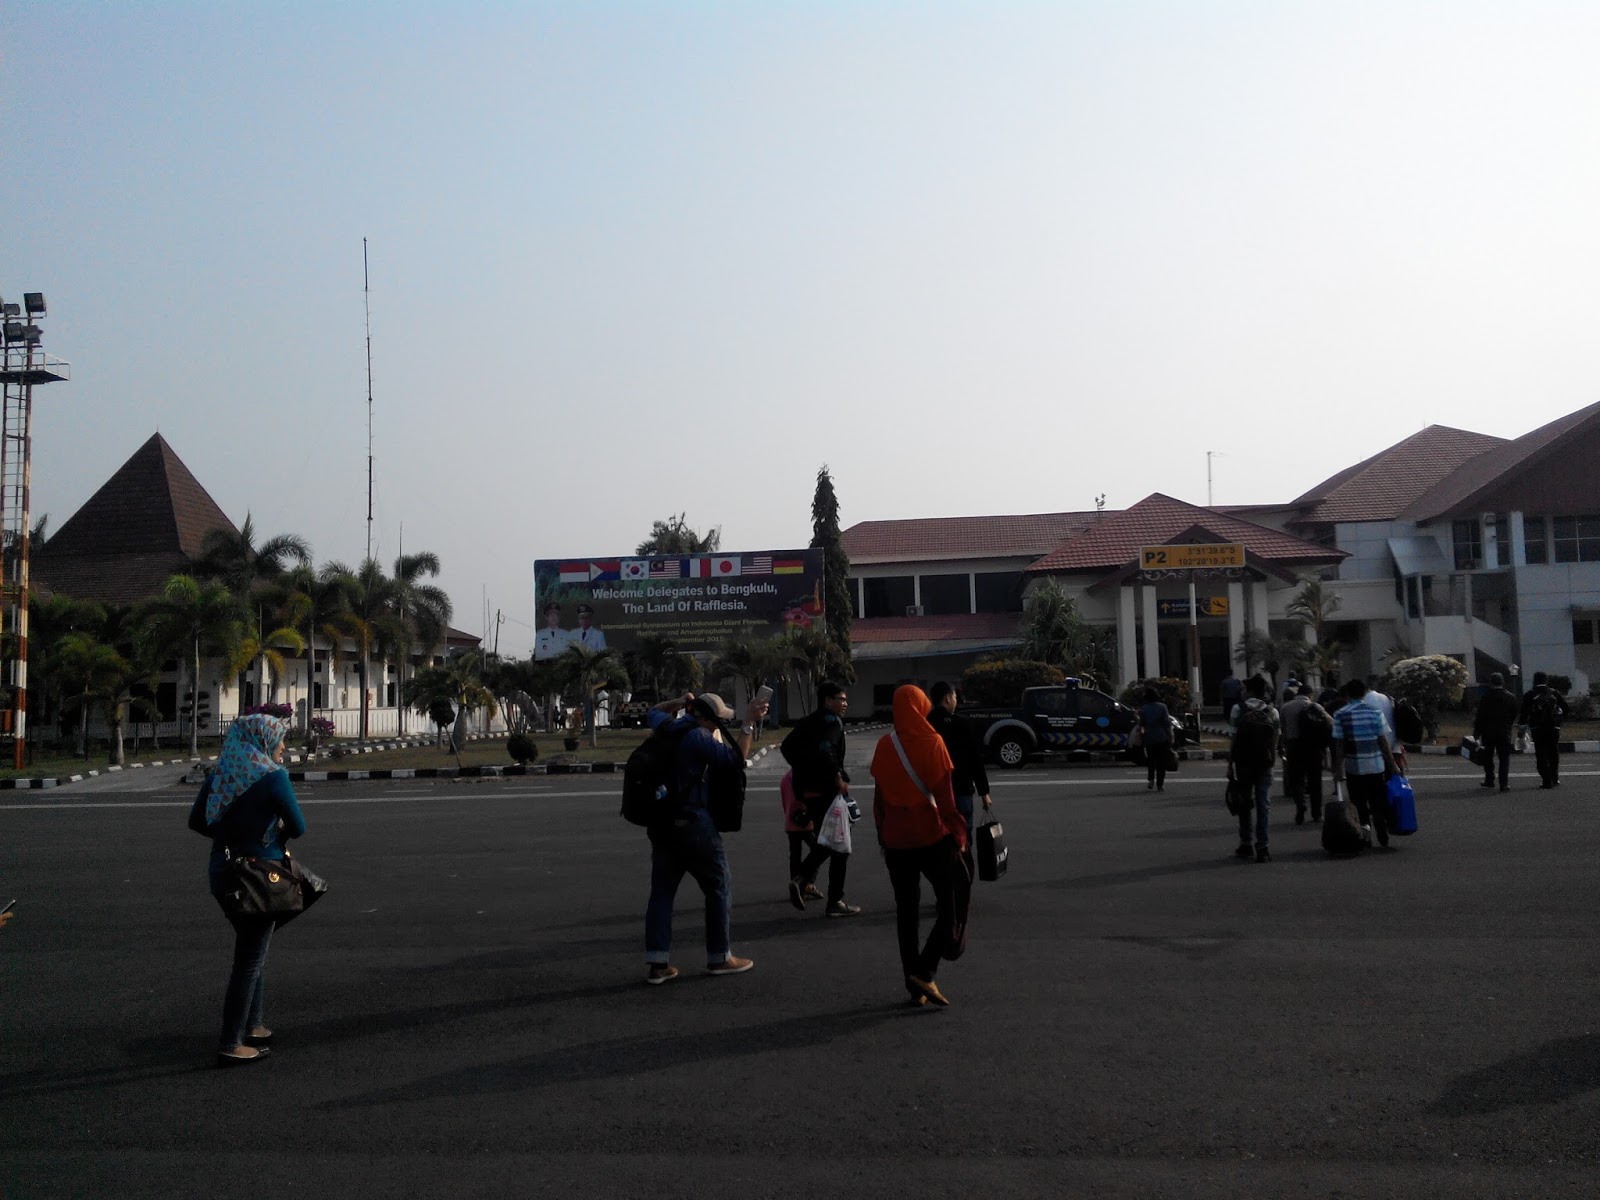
[87,671]
[191,619]
[49,620]
[588,673]
[251,573]
[422,608]
[367,620]
[324,602]
[459,683]
[651,659]
[673,536]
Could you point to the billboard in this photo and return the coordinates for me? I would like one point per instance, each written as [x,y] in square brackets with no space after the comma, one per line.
[700,601]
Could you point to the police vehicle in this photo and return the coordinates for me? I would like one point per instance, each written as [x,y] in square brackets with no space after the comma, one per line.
[1065,719]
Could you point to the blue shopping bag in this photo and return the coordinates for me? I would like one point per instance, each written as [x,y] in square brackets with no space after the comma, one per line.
[1402,806]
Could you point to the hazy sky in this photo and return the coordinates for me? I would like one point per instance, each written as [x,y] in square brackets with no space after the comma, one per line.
[632,259]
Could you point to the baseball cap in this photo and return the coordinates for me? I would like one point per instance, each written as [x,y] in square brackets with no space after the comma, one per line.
[709,704]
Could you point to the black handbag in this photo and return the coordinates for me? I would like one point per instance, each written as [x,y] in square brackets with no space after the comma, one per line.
[992,852]
[268,887]
[1237,797]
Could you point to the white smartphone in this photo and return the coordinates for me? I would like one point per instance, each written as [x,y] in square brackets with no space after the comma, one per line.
[763,693]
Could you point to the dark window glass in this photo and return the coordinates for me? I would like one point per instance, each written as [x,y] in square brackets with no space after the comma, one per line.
[1468,544]
[392,695]
[945,594]
[1534,534]
[855,597]
[1051,704]
[999,591]
[316,696]
[167,700]
[1583,632]
[889,596]
[1576,539]
[883,696]
[1093,704]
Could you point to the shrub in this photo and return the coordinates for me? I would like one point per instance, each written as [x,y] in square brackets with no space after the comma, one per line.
[1174,693]
[321,727]
[282,711]
[441,711]
[521,748]
[1002,681]
[1430,681]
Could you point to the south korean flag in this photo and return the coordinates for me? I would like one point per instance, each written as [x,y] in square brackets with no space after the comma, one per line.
[635,568]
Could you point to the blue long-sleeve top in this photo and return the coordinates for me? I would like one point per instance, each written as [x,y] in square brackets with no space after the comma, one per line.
[256,825]
[698,752]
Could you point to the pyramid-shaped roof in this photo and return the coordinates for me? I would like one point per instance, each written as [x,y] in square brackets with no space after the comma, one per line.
[1115,541]
[1459,491]
[147,522]
[1381,487]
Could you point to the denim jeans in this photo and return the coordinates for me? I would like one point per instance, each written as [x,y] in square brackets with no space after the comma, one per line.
[242,1006]
[689,845]
[1262,788]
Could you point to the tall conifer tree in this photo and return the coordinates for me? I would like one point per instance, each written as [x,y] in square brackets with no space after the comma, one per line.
[826,536]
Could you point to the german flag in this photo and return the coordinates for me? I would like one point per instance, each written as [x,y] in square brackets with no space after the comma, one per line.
[788,566]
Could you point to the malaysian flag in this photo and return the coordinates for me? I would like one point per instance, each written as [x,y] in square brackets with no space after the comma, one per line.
[666,568]
[760,564]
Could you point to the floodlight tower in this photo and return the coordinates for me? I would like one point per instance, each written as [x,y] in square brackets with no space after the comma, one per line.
[23,363]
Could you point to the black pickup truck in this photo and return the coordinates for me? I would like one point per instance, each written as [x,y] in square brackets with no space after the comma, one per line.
[1057,720]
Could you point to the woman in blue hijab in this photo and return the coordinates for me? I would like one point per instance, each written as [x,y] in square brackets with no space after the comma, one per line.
[247,808]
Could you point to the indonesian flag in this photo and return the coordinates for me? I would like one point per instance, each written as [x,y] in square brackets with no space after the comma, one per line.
[636,568]
[574,572]
[721,568]
[698,568]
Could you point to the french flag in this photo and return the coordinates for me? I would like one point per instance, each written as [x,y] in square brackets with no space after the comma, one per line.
[698,568]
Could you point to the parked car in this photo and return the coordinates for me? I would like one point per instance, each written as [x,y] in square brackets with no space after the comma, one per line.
[1064,719]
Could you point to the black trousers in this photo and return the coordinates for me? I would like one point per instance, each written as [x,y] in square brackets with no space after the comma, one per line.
[1370,795]
[907,870]
[1155,758]
[1303,771]
[1547,755]
[1501,751]
[816,809]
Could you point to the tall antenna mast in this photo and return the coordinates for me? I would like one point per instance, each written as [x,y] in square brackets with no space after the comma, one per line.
[366,298]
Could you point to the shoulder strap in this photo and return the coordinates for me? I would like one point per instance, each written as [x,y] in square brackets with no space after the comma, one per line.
[906,763]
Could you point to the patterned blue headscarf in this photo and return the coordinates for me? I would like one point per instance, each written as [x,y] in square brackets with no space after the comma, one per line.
[246,758]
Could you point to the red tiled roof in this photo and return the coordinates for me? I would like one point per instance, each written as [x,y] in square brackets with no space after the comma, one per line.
[1455,492]
[932,538]
[957,627]
[1116,540]
[1379,488]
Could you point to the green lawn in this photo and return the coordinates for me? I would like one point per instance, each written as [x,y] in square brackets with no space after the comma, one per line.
[49,762]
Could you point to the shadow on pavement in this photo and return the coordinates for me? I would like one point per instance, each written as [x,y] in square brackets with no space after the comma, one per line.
[1556,1071]
[1141,874]
[626,1057]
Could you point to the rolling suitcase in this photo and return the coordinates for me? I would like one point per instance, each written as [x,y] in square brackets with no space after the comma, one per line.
[1341,832]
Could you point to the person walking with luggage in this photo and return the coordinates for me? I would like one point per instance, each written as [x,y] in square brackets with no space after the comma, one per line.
[1306,728]
[1493,725]
[814,750]
[923,837]
[1251,757]
[1363,758]
[248,809]
[686,841]
[1543,710]
[1155,733]
[971,780]
[801,833]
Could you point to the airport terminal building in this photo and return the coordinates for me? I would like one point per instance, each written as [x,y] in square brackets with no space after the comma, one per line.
[1448,542]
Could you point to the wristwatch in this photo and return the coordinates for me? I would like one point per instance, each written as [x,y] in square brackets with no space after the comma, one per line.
[748,729]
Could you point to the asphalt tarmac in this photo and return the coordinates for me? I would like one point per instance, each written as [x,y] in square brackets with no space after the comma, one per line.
[1139,1013]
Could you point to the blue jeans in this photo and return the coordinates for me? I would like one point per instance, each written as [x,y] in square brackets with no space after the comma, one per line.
[242,1006]
[1262,788]
[690,845]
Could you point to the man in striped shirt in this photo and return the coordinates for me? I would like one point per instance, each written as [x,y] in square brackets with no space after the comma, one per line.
[1363,758]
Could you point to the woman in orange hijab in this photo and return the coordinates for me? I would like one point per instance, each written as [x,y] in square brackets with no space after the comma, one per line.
[923,836]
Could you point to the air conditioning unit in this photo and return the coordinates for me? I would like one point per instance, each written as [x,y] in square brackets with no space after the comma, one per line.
[913,610]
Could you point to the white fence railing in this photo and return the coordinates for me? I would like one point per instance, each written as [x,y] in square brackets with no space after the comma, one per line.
[381,723]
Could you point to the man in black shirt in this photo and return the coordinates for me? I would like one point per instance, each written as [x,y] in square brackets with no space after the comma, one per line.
[966,754]
[814,750]
[1543,710]
[1493,725]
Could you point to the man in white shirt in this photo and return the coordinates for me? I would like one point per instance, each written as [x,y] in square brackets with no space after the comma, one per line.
[586,635]
[552,639]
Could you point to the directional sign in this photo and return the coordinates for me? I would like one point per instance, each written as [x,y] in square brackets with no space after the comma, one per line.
[1210,606]
[1189,558]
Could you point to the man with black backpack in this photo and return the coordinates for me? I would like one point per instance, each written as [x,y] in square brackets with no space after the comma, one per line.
[1543,710]
[684,838]
[1493,725]
[1307,730]
[815,749]
[1251,757]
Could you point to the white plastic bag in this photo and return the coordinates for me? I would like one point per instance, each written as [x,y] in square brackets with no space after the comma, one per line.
[834,832]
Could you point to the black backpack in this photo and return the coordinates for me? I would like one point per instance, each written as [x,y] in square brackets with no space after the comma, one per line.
[1316,726]
[650,778]
[1544,709]
[725,797]
[1408,722]
[1254,749]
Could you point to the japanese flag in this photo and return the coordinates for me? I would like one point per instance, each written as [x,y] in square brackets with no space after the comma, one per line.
[721,568]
